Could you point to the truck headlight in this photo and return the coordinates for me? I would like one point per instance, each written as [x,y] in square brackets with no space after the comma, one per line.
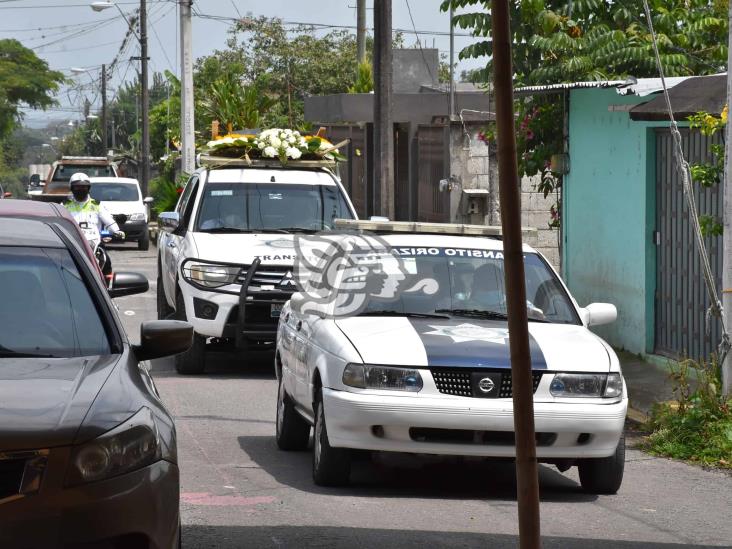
[587,385]
[137,217]
[209,275]
[130,446]
[366,376]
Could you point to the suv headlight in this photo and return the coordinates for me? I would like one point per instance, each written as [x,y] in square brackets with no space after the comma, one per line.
[137,217]
[130,446]
[587,385]
[209,275]
[366,376]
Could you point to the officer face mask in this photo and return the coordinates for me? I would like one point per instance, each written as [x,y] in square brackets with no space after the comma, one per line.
[80,193]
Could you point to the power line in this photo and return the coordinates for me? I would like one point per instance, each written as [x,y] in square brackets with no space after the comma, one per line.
[419,42]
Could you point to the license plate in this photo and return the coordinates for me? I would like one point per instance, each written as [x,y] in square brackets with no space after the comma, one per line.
[275,310]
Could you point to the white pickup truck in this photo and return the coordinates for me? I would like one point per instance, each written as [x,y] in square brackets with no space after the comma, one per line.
[226,253]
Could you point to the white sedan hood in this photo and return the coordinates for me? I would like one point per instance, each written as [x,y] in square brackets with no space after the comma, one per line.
[127,208]
[471,343]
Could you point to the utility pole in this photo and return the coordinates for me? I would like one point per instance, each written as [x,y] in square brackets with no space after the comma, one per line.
[361,30]
[527,473]
[452,65]
[188,145]
[105,145]
[727,234]
[383,107]
[145,100]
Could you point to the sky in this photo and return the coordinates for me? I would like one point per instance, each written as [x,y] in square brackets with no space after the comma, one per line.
[69,34]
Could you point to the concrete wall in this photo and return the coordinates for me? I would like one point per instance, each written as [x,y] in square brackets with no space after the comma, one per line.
[535,213]
[609,214]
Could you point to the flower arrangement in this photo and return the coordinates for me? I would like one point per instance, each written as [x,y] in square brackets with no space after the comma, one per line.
[275,143]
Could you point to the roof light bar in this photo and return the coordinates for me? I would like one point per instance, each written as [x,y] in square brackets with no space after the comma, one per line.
[377,226]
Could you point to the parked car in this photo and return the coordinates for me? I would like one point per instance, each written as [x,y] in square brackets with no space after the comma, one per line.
[227,251]
[87,448]
[123,199]
[428,372]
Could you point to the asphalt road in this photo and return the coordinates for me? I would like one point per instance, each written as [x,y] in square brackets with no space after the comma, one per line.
[239,491]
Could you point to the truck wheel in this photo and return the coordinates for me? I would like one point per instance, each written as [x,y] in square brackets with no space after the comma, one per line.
[165,311]
[603,475]
[144,242]
[331,466]
[193,361]
[293,432]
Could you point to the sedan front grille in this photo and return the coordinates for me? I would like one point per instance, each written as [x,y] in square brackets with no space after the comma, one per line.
[120,218]
[462,382]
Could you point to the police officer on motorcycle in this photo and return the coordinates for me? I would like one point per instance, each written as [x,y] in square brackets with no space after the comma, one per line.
[91,216]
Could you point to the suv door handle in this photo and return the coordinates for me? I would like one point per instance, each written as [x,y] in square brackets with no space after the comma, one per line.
[299,325]
[171,244]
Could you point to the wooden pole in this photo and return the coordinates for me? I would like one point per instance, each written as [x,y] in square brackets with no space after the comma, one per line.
[527,479]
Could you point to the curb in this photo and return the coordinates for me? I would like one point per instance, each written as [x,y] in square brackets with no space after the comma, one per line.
[636,417]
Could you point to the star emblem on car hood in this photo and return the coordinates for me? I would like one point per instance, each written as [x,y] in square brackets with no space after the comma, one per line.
[471,332]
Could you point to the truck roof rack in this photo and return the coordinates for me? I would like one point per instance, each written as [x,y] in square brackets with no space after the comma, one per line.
[213,161]
[379,226]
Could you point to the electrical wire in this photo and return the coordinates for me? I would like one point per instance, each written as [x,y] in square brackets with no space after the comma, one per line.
[419,42]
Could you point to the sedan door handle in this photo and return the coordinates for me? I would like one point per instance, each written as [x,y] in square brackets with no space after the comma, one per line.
[171,244]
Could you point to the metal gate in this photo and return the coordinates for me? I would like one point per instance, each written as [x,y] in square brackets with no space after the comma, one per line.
[681,298]
[432,149]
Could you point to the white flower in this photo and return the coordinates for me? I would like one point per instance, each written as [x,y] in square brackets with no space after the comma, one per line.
[261,145]
[302,143]
[275,142]
[291,140]
[294,153]
[269,152]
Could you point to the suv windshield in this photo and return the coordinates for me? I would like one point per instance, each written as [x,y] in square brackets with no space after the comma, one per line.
[459,282]
[45,307]
[115,192]
[63,172]
[265,206]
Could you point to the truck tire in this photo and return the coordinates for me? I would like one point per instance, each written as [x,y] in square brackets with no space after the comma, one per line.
[144,243]
[603,475]
[193,361]
[292,431]
[331,466]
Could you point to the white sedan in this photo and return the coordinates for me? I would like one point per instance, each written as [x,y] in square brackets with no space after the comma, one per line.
[399,343]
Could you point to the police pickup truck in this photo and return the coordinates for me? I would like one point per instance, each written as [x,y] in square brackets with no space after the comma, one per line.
[226,253]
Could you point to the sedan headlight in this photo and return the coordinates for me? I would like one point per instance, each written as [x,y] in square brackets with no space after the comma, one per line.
[132,445]
[209,275]
[587,385]
[366,376]
[137,217]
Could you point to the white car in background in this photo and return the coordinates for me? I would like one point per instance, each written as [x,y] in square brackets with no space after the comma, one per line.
[426,369]
[123,199]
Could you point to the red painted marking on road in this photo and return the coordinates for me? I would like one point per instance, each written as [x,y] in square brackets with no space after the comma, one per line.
[204,498]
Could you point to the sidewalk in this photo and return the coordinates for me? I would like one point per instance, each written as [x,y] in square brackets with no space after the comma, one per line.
[648,383]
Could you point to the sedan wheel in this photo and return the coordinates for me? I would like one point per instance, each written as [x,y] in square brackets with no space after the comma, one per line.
[603,475]
[293,432]
[331,466]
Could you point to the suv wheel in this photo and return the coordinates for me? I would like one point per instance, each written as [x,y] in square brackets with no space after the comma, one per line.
[293,432]
[603,475]
[165,311]
[193,361]
[144,242]
[331,466]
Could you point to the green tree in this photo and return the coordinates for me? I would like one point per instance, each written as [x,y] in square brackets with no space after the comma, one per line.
[25,81]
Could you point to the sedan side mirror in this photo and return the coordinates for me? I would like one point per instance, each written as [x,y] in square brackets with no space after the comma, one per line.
[148,200]
[159,338]
[128,284]
[596,314]
[169,221]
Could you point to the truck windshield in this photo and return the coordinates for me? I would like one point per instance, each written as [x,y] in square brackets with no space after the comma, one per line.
[270,207]
[63,172]
[115,192]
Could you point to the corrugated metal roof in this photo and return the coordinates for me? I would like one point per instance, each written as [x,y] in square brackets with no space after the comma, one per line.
[640,87]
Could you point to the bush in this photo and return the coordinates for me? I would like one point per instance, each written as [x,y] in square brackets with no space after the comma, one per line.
[698,426]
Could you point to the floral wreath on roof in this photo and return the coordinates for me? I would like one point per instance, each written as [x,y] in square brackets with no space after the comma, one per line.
[275,143]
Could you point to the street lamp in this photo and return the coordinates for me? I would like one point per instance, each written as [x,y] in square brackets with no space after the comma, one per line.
[144,99]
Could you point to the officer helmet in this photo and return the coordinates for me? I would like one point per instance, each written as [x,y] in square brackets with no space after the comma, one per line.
[79,179]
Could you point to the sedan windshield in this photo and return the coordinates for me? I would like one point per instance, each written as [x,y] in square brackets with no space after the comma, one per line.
[45,307]
[459,282]
[287,207]
[115,192]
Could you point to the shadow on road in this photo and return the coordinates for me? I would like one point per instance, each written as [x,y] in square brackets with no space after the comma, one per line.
[245,537]
[406,475]
[226,365]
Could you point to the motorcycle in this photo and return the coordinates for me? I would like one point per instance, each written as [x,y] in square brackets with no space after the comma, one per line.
[97,240]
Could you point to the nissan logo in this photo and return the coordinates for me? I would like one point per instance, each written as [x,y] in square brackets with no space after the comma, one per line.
[486,385]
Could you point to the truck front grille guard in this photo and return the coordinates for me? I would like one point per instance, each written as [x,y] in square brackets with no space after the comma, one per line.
[240,340]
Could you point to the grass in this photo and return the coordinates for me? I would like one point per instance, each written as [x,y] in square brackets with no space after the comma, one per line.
[697,427]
